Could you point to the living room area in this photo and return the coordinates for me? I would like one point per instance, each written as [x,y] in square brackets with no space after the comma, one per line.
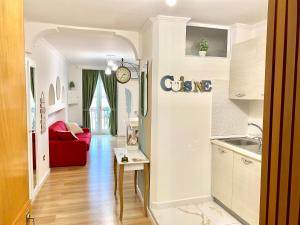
[79,112]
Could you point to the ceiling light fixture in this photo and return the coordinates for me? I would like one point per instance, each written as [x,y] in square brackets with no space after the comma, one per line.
[171,3]
[114,67]
[110,63]
[108,71]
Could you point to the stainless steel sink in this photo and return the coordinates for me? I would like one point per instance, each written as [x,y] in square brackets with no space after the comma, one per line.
[240,141]
[246,143]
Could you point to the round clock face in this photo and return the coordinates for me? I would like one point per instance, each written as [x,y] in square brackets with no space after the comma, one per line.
[123,74]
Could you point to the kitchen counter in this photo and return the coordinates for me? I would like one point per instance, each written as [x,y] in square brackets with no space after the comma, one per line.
[236,149]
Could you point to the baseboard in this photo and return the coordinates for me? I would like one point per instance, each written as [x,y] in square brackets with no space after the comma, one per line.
[150,214]
[40,185]
[179,202]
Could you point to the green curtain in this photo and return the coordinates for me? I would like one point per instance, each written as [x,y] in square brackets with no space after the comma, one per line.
[32,81]
[111,89]
[89,83]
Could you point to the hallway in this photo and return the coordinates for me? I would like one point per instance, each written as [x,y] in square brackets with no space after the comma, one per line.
[84,195]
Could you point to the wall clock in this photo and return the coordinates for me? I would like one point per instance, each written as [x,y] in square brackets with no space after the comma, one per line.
[123,74]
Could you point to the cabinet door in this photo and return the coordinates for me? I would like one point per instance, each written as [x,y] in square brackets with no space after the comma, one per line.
[222,165]
[240,70]
[246,188]
[247,69]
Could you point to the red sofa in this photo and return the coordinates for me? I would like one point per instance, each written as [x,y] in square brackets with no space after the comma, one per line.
[68,152]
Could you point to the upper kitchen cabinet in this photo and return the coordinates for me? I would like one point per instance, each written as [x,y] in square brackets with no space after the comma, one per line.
[247,69]
[210,41]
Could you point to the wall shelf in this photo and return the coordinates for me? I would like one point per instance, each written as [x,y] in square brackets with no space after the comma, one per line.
[217,38]
[55,108]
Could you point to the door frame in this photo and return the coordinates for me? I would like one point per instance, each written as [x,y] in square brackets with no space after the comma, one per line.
[280,184]
[32,190]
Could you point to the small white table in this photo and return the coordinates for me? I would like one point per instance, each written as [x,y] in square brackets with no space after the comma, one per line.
[136,161]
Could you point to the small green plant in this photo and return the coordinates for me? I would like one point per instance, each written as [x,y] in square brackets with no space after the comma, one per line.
[203,46]
[71,85]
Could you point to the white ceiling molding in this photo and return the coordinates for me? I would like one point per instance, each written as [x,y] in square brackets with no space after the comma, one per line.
[36,30]
[176,19]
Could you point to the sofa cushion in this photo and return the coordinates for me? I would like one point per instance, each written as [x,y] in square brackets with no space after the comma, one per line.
[65,135]
[74,128]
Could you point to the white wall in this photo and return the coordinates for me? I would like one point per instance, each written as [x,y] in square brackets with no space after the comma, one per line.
[75,110]
[133,86]
[49,65]
[256,109]
[229,117]
[181,122]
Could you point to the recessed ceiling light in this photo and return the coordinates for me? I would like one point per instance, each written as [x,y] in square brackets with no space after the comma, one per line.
[108,71]
[171,3]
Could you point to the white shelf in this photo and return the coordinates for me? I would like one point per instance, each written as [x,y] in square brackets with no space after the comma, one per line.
[55,108]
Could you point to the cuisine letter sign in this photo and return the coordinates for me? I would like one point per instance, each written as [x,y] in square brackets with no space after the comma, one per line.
[170,83]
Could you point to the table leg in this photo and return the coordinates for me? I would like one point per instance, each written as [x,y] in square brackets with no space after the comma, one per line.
[121,174]
[135,180]
[115,174]
[146,187]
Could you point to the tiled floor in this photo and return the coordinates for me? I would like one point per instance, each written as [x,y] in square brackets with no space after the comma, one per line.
[207,213]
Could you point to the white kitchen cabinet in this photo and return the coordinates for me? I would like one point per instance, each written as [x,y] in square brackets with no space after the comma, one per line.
[246,188]
[222,164]
[247,69]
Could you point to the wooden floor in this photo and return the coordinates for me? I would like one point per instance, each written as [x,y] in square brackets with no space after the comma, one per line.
[84,195]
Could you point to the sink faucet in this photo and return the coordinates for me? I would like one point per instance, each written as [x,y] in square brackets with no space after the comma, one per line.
[258,137]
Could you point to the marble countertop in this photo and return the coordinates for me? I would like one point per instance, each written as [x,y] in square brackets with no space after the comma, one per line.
[236,149]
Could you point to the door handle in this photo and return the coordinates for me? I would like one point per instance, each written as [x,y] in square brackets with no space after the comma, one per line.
[29,218]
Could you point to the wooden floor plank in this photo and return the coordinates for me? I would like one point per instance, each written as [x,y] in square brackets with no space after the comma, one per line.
[85,195]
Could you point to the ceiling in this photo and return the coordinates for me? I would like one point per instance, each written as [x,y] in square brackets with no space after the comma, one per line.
[88,47]
[132,14]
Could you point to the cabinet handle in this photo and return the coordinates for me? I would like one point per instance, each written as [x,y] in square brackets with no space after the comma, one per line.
[221,150]
[240,95]
[246,161]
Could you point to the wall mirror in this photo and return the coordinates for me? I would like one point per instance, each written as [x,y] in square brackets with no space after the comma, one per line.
[51,95]
[33,120]
[144,90]
[58,87]
[32,123]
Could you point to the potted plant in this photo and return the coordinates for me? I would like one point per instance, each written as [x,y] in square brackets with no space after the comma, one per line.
[71,85]
[203,47]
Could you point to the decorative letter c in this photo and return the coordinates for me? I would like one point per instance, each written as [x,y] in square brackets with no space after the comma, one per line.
[163,82]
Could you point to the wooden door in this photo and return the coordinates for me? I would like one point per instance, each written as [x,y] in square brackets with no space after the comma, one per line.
[14,200]
[280,189]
